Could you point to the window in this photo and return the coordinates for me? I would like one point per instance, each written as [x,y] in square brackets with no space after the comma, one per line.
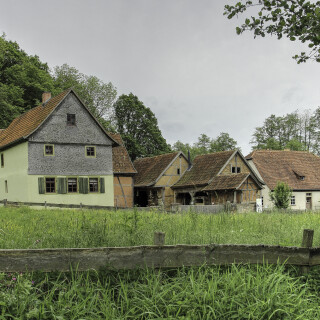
[72,185]
[235,169]
[48,150]
[2,160]
[50,185]
[71,119]
[178,171]
[93,185]
[293,200]
[90,151]
[6,186]
[262,201]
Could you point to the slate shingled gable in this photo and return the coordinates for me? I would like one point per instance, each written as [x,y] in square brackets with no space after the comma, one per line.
[289,167]
[149,169]
[27,123]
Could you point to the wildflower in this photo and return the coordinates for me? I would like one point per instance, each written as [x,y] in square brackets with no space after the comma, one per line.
[14,278]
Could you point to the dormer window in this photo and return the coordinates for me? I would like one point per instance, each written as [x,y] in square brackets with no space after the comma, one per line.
[71,119]
[301,178]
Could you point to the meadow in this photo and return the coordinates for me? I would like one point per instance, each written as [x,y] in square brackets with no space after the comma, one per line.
[28,228]
[234,292]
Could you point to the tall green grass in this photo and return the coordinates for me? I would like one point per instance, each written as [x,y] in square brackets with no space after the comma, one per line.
[238,292]
[28,228]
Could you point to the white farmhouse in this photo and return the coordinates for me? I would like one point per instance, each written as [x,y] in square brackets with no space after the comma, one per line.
[299,169]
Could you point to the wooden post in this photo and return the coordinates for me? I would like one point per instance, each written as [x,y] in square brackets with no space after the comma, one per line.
[307,241]
[45,204]
[307,238]
[5,202]
[158,239]
[80,205]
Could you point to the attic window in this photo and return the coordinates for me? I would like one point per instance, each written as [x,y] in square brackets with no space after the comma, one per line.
[90,151]
[178,171]
[235,169]
[71,119]
[301,178]
[48,150]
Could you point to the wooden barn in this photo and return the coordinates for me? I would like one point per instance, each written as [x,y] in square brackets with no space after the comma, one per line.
[123,173]
[156,175]
[216,178]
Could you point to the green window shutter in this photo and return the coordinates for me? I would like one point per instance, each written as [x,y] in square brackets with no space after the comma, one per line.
[83,185]
[62,185]
[102,186]
[41,184]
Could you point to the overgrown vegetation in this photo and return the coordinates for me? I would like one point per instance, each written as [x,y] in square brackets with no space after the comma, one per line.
[236,292]
[30,228]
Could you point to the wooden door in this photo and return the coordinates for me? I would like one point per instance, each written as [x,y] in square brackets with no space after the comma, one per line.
[308,201]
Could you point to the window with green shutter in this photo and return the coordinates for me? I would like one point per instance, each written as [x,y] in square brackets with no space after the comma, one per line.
[41,185]
[83,185]
[62,185]
[102,186]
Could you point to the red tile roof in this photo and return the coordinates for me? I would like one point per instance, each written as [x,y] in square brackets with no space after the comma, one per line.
[204,168]
[149,169]
[289,167]
[121,161]
[227,182]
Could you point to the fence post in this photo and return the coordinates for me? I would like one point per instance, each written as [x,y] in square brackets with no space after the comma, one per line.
[4,202]
[307,241]
[158,239]
[45,204]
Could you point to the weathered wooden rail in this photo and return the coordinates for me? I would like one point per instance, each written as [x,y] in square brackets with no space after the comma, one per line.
[157,256]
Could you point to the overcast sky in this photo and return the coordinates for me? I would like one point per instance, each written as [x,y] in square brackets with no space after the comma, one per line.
[182,58]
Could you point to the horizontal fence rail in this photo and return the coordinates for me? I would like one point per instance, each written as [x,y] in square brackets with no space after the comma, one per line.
[157,256]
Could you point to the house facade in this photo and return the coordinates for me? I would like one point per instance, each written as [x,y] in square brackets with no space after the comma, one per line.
[217,178]
[155,176]
[57,153]
[123,174]
[299,169]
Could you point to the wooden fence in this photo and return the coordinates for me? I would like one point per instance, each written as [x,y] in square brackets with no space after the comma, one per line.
[157,256]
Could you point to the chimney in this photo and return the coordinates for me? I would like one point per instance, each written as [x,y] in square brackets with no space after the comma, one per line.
[46,96]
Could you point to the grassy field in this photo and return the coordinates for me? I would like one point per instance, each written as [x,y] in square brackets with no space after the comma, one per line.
[28,228]
[235,292]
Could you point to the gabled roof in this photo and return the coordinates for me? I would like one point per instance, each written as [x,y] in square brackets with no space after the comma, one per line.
[121,161]
[151,169]
[227,182]
[299,169]
[204,168]
[26,124]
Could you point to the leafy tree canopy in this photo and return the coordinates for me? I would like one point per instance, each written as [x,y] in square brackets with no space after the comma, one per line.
[206,145]
[23,79]
[299,131]
[138,128]
[281,195]
[294,19]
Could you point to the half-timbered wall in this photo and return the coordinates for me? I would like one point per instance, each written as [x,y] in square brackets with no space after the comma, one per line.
[236,161]
[123,191]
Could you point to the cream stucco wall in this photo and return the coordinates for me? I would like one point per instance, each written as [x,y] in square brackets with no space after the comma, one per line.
[24,188]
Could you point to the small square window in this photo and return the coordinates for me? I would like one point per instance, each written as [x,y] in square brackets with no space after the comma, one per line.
[235,169]
[72,185]
[50,185]
[48,150]
[90,151]
[93,185]
[2,160]
[71,119]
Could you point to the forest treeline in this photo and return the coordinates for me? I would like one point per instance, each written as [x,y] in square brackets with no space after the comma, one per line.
[23,79]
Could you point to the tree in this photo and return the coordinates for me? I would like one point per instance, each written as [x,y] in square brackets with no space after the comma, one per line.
[294,19]
[138,128]
[223,143]
[23,79]
[281,195]
[294,131]
[95,94]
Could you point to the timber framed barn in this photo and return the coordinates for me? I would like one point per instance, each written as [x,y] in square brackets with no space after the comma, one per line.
[156,175]
[217,178]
